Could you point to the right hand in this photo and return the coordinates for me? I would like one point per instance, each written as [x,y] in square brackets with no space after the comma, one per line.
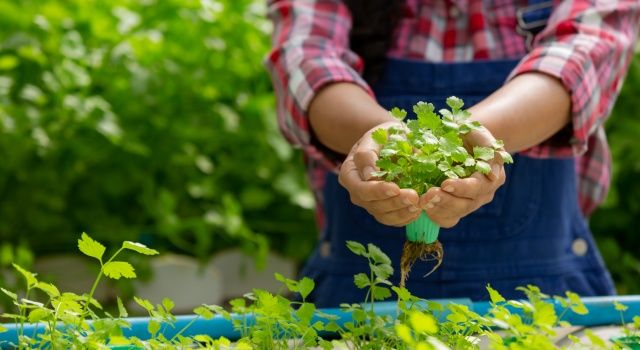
[385,201]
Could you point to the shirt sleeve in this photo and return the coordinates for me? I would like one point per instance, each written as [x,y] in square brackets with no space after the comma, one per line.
[587,45]
[310,50]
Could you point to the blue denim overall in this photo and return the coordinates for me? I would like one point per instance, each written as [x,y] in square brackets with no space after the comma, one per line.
[533,231]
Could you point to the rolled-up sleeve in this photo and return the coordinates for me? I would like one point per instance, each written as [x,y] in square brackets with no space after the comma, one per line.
[310,50]
[587,45]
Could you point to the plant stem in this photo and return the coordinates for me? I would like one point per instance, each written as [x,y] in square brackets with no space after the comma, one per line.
[184,328]
[95,283]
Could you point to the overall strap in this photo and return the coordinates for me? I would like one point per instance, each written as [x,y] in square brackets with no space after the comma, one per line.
[532,19]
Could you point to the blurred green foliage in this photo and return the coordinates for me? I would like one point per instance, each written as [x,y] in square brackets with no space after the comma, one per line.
[154,120]
[145,120]
[616,224]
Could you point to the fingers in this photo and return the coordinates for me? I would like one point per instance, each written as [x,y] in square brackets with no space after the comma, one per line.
[349,178]
[398,217]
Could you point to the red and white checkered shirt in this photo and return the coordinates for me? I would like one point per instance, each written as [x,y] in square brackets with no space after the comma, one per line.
[587,44]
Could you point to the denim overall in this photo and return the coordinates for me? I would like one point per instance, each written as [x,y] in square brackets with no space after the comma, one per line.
[533,231]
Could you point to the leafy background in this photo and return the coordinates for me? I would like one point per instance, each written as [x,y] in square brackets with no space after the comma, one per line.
[154,121]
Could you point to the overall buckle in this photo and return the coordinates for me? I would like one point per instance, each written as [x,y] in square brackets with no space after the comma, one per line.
[532,19]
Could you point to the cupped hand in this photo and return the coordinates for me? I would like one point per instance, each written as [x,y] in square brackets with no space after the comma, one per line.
[456,198]
[385,201]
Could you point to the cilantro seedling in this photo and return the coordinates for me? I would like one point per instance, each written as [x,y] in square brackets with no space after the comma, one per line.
[422,154]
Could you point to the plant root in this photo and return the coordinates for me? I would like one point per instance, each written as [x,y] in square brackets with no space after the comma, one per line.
[412,251]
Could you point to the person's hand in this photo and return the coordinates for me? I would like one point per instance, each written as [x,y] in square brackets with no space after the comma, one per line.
[385,201]
[456,198]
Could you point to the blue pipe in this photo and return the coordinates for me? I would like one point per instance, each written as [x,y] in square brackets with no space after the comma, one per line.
[601,312]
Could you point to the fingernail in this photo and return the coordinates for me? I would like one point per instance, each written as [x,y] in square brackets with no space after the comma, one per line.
[435,199]
[406,201]
[449,189]
[366,172]
[413,209]
[429,205]
[390,193]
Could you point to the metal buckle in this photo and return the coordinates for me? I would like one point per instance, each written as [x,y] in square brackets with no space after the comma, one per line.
[530,29]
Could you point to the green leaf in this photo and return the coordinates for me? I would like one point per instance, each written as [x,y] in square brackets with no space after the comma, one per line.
[619,307]
[361,280]
[90,247]
[455,103]
[483,167]
[357,248]
[506,157]
[139,248]
[28,276]
[121,309]
[398,113]
[377,255]
[2,329]
[380,293]
[146,304]
[305,312]
[37,315]
[48,288]
[168,304]
[305,286]
[595,340]
[153,327]
[379,136]
[544,314]
[402,292]
[117,269]
[494,295]
[203,312]
[382,271]
[10,294]
[577,305]
[483,153]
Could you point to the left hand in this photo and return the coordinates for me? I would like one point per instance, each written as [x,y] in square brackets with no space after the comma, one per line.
[456,198]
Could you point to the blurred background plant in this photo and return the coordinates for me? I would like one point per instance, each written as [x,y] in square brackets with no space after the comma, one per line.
[153,120]
[145,120]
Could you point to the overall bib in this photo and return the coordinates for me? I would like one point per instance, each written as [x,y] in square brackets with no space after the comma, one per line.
[533,231]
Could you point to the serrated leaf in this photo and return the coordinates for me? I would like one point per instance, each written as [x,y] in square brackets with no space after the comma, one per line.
[483,167]
[483,153]
[361,280]
[121,309]
[203,312]
[494,295]
[30,277]
[168,304]
[577,305]
[305,286]
[378,255]
[48,288]
[146,304]
[139,248]
[398,113]
[380,293]
[90,247]
[379,136]
[357,248]
[506,157]
[455,103]
[118,269]
[382,271]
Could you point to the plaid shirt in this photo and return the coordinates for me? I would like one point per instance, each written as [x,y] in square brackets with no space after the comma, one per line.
[587,45]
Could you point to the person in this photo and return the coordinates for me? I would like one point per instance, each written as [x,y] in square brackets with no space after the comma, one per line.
[540,75]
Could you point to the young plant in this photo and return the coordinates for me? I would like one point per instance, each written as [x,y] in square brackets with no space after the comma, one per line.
[422,154]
